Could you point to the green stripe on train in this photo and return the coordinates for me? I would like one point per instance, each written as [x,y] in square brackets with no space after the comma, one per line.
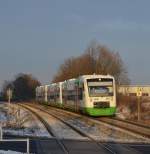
[100,111]
[89,111]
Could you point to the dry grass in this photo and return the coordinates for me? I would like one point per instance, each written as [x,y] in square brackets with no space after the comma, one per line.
[128,106]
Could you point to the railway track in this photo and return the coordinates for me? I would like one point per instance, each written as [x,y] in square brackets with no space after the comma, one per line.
[130,126]
[132,122]
[49,129]
[127,125]
[105,146]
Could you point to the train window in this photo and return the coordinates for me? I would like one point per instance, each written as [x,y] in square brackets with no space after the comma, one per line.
[73,94]
[71,97]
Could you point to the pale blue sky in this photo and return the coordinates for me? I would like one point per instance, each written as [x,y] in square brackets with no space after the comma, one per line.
[36,35]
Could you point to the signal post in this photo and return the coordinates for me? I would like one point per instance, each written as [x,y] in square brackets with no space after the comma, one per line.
[139,94]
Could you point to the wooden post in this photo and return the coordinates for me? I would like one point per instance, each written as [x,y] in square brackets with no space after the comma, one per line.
[139,108]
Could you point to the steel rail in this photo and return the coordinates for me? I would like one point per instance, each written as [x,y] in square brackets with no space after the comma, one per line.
[47,126]
[133,127]
[131,122]
[107,147]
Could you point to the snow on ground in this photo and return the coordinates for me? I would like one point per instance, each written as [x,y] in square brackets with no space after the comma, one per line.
[59,128]
[105,132]
[2,113]
[26,132]
[100,130]
[10,152]
[21,123]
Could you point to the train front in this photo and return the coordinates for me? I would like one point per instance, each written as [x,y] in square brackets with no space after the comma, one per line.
[100,95]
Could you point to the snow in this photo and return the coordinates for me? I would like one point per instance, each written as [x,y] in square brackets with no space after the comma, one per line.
[26,132]
[20,122]
[2,113]
[10,152]
[99,130]
[60,129]
[105,132]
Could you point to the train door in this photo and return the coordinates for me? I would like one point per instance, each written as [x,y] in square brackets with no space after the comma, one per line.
[79,88]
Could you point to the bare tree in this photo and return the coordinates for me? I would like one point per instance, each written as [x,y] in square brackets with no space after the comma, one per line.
[96,59]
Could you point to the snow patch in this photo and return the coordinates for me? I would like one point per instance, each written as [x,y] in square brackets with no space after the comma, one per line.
[18,121]
[10,152]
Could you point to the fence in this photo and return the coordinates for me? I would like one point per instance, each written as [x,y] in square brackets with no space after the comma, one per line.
[15,140]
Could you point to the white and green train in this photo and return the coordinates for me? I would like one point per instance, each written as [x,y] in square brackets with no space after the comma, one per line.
[94,95]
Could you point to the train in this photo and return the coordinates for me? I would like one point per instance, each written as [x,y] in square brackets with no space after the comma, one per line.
[94,95]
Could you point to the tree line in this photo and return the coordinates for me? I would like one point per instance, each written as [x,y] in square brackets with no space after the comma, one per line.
[23,87]
[97,59]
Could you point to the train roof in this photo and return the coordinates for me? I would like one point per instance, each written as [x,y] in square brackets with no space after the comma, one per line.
[96,76]
[81,78]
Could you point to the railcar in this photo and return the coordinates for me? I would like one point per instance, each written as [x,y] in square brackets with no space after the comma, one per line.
[54,94]
[94,95]
[41,93]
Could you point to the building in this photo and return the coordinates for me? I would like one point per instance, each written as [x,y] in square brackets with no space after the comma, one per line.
[134,90]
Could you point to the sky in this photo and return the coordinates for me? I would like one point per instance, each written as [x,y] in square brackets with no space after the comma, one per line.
[37,35]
